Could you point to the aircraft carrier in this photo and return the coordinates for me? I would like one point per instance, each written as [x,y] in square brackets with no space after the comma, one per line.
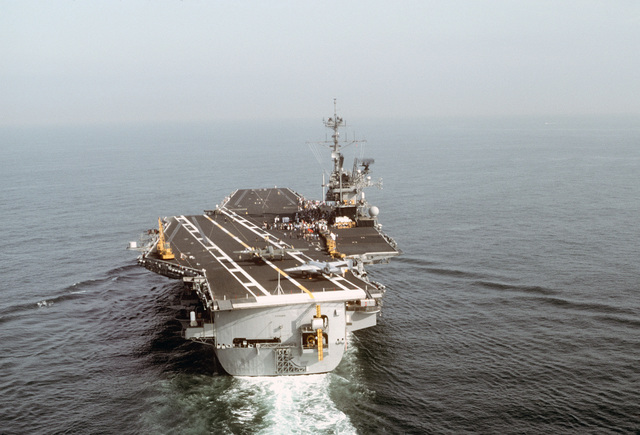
[275,281]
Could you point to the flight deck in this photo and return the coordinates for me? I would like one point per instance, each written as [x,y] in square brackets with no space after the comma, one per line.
[273,281]
[219,245]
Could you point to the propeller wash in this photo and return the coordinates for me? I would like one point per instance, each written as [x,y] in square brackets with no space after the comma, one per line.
[273,281]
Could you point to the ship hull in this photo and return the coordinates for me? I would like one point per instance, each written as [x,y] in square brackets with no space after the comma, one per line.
[279,340]
[274,281]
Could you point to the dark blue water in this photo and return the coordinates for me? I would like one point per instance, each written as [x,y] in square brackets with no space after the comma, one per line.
[515,307]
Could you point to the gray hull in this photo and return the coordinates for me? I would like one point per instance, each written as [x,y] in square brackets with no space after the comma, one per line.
[273,281]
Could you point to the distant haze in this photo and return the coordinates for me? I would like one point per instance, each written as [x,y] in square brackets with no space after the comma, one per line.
[75,62]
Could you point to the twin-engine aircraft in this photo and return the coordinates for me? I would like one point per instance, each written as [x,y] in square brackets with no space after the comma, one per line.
[329,268]
[310,268]
[268,253]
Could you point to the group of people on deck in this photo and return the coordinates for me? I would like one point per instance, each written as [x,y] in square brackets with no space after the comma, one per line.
[312,218]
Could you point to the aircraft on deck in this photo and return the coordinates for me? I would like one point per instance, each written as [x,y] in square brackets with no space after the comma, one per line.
[268,253]
[328,268]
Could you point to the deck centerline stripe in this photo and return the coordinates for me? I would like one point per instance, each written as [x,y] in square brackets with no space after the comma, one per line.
[224,256]
[237,218]
[297,284]
[218,258]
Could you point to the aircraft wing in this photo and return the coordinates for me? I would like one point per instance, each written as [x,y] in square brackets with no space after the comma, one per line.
[327,268]
[305,268]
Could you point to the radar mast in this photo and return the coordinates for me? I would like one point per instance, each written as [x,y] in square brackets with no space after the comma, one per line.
[345,187]
[335,123]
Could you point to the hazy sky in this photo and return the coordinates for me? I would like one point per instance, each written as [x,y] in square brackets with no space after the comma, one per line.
[114,61]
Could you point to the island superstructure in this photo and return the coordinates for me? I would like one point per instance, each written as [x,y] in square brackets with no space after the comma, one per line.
[274,281]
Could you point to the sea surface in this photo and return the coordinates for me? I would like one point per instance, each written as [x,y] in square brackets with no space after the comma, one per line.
[515,307]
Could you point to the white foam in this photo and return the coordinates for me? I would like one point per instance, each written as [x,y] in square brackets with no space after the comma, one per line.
[297,404]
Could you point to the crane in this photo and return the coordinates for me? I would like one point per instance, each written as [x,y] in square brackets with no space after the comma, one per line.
[163,248]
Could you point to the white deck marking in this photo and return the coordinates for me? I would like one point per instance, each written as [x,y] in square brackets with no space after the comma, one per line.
[269,237]
[220,255]
[296,283]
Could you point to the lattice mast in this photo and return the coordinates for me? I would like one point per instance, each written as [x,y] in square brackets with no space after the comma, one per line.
[344,187]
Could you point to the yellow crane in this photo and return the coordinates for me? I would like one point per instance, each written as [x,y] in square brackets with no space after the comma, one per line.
[319,332]
[164,250]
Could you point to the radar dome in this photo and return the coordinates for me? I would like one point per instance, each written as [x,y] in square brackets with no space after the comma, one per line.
[374,211]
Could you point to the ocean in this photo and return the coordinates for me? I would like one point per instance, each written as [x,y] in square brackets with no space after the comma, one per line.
[515,307]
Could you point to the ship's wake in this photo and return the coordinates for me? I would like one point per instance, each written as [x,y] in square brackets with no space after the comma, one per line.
[301,403]
[264,405]
[201,403]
